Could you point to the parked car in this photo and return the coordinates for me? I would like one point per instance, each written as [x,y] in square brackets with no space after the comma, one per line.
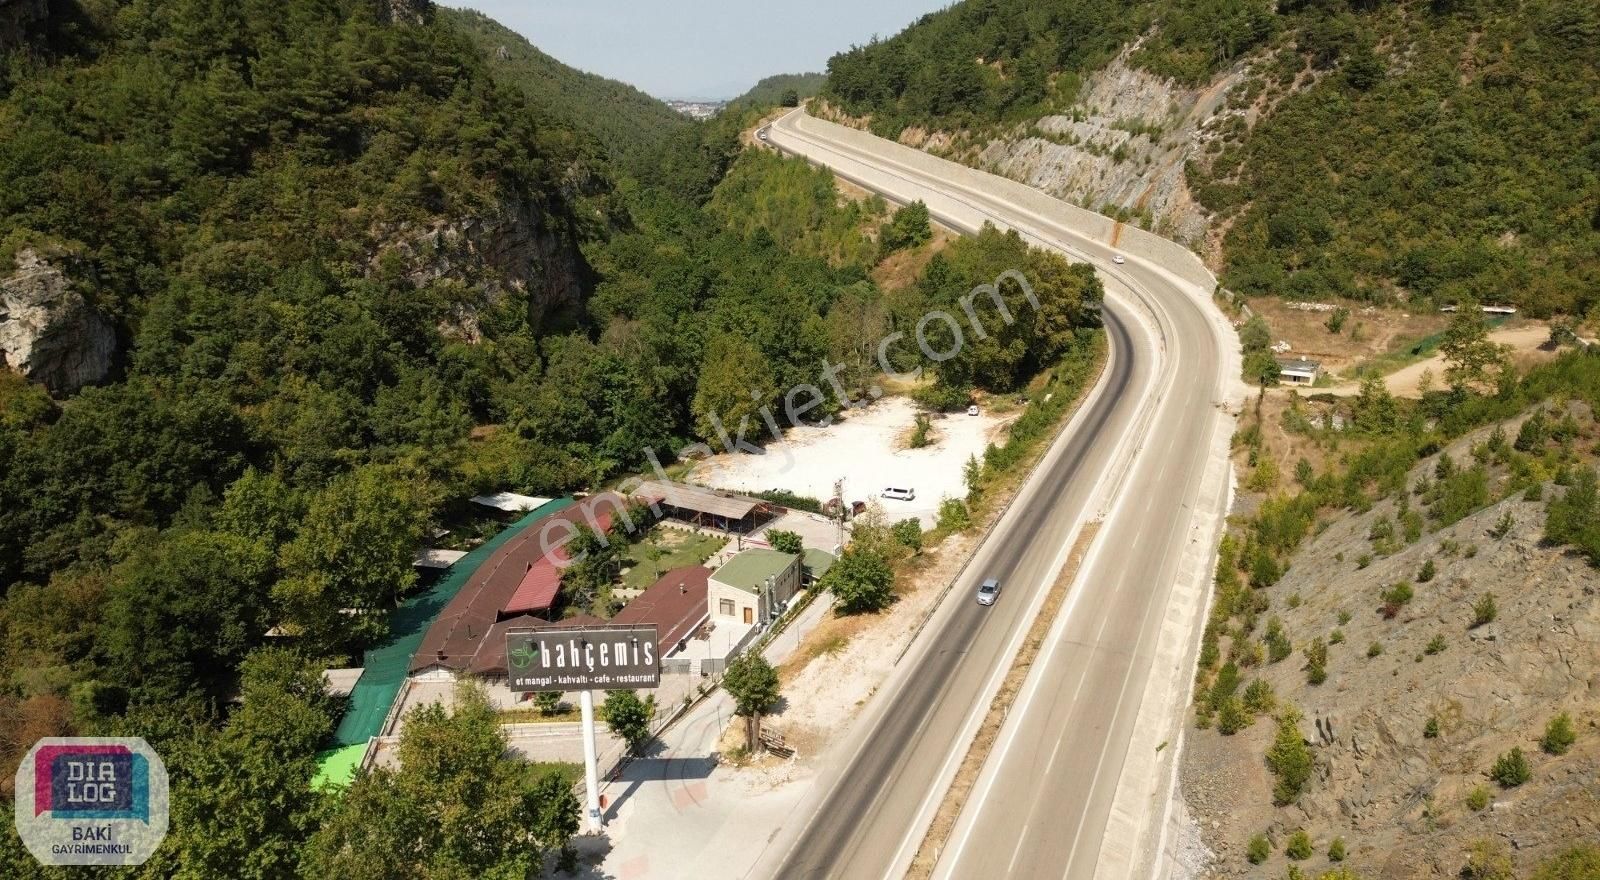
[988,591]
[894,494]
[762,134]
[972,410]
[1118,259]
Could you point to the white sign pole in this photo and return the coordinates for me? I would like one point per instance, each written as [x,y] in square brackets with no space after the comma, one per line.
[591,770]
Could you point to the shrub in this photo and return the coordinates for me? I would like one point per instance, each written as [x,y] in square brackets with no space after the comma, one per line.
[1344,617]
[1430,729]
[1503,526]
[920,434]
[753,684]
[1316,667]
[1427,572]
[1259,849]
[1395,598]
[908,533]
[1487,860]
[629,717]
[785,542]
[1478,799]
[1232,717]
[1436,645]
[1484,610]
[1258,696]
[953,515]
[1511,769]
[1299,846]
[1363,561]
[862,580]
[1374,649]
[1336,637]
[1336,850]
[1278,645]
[1582,862]
[1289,759]
[1558,735]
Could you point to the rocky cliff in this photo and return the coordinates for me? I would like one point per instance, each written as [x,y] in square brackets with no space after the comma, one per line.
[48,331]
[518,247]
[1120,149]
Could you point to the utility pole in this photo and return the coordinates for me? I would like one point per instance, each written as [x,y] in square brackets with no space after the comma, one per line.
[838,497]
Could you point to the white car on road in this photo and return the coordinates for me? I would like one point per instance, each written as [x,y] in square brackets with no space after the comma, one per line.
[1118,259]
[988,591]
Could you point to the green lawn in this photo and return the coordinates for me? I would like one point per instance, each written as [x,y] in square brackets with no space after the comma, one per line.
[678,548]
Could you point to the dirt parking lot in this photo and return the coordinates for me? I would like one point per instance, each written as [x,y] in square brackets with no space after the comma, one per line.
[868,450]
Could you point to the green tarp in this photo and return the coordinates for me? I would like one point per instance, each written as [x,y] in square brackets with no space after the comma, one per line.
[385,666]
[338,766]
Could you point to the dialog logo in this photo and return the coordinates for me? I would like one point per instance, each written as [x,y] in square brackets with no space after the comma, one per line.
[92,801]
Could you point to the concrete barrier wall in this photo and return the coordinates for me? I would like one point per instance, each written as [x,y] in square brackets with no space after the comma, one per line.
[1170,255]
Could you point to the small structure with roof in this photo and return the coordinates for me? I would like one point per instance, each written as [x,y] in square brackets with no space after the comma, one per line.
[1299,371]
[753,586]
[706,508]
[510,502]
[814,564]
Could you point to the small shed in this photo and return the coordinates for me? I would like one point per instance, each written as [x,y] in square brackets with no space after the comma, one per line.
[1299,371]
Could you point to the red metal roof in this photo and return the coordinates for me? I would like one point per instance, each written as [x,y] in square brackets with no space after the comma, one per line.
[537,589]
[676,604]
[463,626]
[490,656]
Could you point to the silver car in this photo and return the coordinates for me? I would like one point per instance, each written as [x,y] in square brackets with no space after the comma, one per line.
[988,591]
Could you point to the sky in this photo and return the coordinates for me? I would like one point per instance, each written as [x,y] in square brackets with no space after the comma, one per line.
[699,49]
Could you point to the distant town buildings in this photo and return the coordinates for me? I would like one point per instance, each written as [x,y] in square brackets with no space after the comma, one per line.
[697,109]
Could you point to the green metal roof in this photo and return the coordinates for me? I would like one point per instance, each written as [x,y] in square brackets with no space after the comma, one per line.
[817,561]
[750,569]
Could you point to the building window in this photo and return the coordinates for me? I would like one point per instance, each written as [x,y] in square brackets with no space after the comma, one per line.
[725,607]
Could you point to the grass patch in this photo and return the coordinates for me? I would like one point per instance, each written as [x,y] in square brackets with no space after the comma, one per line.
[1407,353]
[677,548]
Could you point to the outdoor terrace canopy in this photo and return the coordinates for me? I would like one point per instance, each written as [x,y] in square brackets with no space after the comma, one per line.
[701,506]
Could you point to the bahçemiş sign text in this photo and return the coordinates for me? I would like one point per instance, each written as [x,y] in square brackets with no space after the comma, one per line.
[583,659]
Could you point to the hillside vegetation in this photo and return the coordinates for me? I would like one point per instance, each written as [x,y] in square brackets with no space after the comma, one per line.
[632,127]
[1373,150]
[358,268]
[1390,626]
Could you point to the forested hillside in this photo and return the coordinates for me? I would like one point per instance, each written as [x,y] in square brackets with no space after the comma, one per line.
[1371,150]
[344,270]
[632,127]
[781,87]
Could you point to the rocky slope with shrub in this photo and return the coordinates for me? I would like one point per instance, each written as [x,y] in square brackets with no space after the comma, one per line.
[1421,624]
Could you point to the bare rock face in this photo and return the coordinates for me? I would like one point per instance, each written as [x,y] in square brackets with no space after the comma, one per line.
[1123,146]
[48,331]
[513,248]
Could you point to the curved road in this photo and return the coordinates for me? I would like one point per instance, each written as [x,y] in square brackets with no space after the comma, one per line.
[1136,456]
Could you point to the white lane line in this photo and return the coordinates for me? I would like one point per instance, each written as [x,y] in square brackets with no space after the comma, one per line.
[1122,697]
[1018,851]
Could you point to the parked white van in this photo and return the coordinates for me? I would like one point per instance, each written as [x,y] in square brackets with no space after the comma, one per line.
[894,494]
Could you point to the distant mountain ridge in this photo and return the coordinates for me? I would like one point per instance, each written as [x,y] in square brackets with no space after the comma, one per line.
[623,120]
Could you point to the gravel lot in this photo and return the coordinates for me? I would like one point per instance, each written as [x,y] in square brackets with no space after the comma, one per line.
[867,449]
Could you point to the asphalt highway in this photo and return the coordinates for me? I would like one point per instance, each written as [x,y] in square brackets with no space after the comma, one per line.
[1135,453]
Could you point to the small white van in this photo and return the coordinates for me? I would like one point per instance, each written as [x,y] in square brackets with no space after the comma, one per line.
[894,494]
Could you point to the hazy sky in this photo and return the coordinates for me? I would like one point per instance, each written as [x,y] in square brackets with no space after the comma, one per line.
[699,48]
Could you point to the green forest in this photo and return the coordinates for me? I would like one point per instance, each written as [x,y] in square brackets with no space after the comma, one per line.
[272,204]
[1445,149]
